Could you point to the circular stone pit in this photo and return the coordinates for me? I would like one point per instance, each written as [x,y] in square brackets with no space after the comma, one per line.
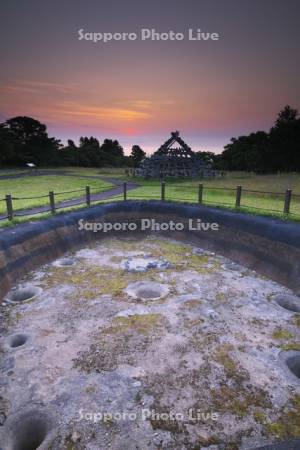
[23,294]
[29,430]
[64,262]
[293,363]
[147,290]
[288,302]
[17,340]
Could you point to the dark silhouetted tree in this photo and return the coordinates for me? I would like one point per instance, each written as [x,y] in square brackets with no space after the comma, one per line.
[137,155]
[284,148]
[208,157]
[8,153]
[278,150]
[89,152]
[286,115]
[30,142]
[112,153]
[69,155]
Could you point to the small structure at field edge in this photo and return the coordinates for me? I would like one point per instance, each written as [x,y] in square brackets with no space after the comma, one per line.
[174,161]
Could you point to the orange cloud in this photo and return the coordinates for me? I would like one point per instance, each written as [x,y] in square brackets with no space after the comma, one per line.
[38,87]
[76,110]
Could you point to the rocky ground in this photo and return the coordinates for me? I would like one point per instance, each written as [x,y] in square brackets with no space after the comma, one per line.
[148,345]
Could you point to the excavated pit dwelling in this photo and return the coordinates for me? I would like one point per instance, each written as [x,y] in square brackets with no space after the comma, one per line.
[201,336]
[192,353]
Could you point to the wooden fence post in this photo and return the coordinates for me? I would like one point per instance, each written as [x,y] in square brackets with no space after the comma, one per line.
[200,193]
[125,191]
[287,201]
[52,202]
[163,190]
[9,207]
[88,196]
[238,196]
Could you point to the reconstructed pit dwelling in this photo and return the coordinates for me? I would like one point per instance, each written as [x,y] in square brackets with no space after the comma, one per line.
[180,340]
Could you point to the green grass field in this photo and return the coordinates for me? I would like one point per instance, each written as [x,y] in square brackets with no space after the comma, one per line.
[32,186]
[217,191]
[222,192]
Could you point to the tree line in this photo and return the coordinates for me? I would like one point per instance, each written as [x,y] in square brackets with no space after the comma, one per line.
[261,152]
[24,140]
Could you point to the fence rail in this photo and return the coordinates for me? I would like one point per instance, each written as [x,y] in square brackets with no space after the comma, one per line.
[52,206]
[235,198]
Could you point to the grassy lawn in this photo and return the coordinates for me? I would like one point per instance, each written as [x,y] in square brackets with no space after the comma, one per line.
[40,186]
[222,192]
[108,172]
[217,192]
[113,172]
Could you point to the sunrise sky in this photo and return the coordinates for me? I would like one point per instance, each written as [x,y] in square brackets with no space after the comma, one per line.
[139,91]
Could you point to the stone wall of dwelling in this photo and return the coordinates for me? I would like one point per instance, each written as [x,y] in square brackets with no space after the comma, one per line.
[269,246]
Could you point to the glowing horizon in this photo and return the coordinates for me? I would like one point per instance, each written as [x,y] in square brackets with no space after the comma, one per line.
[138,92]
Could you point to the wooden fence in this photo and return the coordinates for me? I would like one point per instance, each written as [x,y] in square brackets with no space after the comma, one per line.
[237,192]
